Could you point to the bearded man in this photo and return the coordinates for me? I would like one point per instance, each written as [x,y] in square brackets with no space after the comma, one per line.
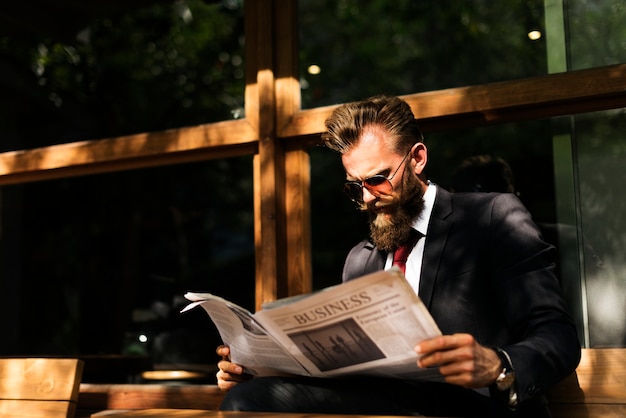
[476,260]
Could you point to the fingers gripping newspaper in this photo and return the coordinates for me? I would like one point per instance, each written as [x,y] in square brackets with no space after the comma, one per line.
[366,326]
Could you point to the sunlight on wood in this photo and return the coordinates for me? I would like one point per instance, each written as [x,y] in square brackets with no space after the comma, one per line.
[222,139]
[39,387]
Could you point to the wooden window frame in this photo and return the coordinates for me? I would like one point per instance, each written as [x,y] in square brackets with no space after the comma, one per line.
[277,133]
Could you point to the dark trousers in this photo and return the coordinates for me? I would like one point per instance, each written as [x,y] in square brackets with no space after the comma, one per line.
[366,396]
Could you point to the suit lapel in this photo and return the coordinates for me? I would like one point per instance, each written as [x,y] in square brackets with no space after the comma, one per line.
[436,238]
[375,260]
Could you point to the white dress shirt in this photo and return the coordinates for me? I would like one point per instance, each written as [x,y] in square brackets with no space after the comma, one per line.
[414,262]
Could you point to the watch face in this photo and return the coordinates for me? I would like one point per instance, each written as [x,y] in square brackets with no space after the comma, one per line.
[505,380]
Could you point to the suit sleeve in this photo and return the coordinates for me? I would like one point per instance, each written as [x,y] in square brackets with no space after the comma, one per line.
[528,292]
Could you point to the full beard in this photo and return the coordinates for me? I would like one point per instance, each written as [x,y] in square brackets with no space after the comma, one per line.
[391,231]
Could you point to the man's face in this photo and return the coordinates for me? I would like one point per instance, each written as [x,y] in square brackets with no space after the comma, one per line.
[390,215]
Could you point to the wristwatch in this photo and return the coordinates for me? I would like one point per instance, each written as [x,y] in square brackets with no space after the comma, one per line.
[505,382]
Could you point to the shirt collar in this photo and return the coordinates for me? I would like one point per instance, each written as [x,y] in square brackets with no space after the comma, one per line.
[421,223]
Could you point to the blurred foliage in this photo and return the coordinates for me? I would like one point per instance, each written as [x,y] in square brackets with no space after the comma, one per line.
[407,46]
[164,66]
[597,33]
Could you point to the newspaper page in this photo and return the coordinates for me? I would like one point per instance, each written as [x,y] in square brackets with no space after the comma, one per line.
[366,326]
[250,345]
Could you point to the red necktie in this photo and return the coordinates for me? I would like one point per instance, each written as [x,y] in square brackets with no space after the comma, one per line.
[401,254]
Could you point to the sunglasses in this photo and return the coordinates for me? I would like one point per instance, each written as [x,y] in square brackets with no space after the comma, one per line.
[377,185]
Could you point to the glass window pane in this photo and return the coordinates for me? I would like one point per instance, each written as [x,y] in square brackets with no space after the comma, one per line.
[112,72]
[600,151]
[597,32]
[352,49]
[100,260]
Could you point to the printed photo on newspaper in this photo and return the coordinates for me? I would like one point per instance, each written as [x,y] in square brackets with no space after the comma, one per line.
[366,326]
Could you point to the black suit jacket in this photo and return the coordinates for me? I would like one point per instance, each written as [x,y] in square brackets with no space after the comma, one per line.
[487,271]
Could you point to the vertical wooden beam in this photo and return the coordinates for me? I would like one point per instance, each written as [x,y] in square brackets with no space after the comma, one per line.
[287,75]
[259,43]
[281,178]
[297,163]
[268,178]
[297,201]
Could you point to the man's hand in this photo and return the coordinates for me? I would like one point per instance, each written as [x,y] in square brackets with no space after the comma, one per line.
[229,373]
[461,360]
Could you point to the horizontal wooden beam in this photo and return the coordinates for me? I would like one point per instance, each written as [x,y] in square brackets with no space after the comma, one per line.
[532,98]
[210,141]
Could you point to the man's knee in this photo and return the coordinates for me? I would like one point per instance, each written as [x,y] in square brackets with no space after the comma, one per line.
[236,399]
[253,395]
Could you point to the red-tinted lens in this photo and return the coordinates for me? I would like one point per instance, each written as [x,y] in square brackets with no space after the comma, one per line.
[378,185]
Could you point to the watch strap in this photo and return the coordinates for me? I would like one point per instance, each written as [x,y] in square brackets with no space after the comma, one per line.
[505,387]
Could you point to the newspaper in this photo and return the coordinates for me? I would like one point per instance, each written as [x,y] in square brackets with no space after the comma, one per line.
[367,326]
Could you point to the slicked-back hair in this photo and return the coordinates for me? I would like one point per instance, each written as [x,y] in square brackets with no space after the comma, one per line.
[347,122]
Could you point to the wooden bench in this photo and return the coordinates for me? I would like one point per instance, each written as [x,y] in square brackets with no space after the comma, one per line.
[39,387]
[98,397]
[596,390]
